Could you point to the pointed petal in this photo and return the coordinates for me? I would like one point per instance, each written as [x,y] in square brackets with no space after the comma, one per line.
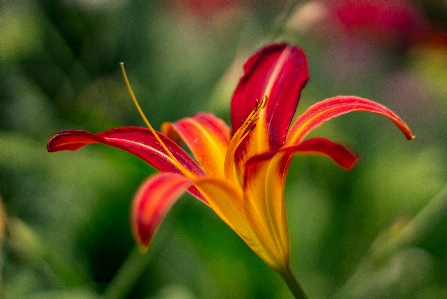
[322,111]
[207,137]
[152,202]
[320,146]
[135,140]
[279,72]
[337,152]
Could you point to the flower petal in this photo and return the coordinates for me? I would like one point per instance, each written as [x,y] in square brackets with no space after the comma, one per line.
[264,187]
[158,193]
[135,140]
[207,136]
[322,111]
[278,72]
[152,202]
[337,152]
[265,179]
[230,204]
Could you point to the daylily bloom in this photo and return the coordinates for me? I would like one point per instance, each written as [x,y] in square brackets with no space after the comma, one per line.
[240,172]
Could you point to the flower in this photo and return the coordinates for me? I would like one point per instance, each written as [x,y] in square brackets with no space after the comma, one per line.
[396,23]
[388,20]
[239,173]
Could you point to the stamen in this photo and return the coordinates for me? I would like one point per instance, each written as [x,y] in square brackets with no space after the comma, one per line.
[240,135]
[140,111]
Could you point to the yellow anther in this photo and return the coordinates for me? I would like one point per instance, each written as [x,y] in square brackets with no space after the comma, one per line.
[148,124]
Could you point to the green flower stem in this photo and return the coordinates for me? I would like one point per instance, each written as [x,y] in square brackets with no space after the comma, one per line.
[395,239]
[293,283]
[127,275]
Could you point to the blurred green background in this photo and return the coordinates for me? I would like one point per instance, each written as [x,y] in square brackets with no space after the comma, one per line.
[65,222]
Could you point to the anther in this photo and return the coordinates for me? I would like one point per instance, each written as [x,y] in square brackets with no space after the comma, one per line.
[240,135]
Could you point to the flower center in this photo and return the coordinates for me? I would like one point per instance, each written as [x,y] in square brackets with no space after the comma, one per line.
[239,136]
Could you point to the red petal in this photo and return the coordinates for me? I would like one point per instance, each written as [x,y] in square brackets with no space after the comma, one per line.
[322,111]
[152,202]
[279,72]
[135,140]
[207,137]
[337,152]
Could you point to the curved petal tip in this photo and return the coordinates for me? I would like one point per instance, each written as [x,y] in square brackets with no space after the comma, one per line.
[152,202]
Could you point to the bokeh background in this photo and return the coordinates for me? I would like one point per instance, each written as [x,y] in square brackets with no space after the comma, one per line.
[64,229]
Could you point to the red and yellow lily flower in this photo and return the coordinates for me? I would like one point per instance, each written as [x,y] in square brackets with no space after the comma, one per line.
[239,172]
